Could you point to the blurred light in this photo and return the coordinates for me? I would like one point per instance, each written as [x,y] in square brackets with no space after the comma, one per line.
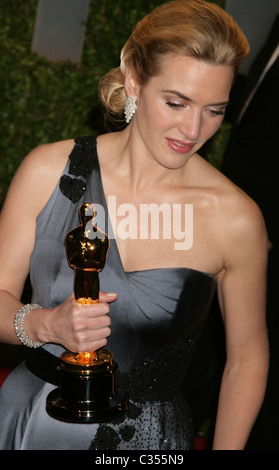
[59,29]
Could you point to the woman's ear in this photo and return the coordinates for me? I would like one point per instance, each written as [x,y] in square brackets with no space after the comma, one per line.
[131,86]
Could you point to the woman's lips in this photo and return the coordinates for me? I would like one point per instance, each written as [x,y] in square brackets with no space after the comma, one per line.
[178,146]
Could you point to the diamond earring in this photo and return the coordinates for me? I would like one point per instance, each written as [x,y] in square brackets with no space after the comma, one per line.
[130,108]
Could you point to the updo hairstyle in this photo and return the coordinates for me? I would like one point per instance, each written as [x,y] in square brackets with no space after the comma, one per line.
[194,28]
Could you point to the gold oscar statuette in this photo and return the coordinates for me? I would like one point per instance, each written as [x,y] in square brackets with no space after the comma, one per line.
[87,391]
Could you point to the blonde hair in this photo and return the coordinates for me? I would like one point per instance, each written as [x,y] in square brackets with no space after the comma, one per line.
[193,28]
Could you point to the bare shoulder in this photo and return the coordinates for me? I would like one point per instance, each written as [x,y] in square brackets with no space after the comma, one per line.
[39,173]
[235,219]
[48,158]
[242,230]
[235,207]
[239,210]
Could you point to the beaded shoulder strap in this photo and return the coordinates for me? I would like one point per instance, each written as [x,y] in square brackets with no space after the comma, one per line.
[82,162]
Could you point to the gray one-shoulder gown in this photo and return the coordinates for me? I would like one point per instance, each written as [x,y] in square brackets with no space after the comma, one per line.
[156,323]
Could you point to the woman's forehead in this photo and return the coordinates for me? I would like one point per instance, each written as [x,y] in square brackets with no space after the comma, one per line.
[188,75]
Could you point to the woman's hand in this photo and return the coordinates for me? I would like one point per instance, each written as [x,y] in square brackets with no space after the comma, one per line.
[77,327]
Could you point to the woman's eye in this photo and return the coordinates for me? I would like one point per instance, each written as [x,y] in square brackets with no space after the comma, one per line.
[174,105]
[217,112]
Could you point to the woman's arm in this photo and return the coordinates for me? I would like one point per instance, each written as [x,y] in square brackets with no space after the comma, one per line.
[78,328]
[242,298]
[29,191]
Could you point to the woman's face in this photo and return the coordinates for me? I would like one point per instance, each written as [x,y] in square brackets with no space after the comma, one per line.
[180,109]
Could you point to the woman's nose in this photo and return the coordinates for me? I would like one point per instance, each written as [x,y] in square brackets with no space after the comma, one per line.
[190,124]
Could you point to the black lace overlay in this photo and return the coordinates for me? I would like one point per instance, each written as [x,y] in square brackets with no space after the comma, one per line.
[153,385]
[160,376]
[159,425]
[108,436]
[81,165]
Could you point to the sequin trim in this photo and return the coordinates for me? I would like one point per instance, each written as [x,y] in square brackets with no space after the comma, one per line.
[158,416]
[81,165]
[159,377]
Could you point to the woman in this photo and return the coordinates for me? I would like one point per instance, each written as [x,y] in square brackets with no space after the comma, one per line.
[175,76]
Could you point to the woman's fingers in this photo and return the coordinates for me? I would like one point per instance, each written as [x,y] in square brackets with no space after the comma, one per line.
[90,323]
[80,327]
[107,296]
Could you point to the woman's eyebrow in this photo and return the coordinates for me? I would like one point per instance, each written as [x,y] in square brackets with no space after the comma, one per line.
[180,95]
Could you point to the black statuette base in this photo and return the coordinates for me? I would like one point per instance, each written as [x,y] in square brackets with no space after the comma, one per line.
[86,393]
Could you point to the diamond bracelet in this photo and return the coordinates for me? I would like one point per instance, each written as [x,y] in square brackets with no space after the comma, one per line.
[19,326]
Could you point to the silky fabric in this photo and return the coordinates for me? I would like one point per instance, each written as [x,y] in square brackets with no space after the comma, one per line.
[156,323]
